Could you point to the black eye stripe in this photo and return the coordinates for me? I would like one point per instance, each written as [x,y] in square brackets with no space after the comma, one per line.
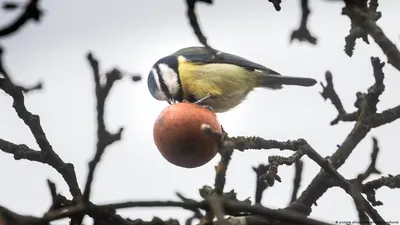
[172,62]
[164,87]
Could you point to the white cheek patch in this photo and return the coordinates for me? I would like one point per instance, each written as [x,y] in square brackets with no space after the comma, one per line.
[170,78]
[159,95]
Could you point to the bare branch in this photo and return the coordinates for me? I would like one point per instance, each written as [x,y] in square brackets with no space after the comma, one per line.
[47,154]
[302,33]
[6,75]
[154,221]
[100,215]
[357,182]
[276,161]
[328,92]
[367,105]
[372,167]
[385,117]
[37,86]
[375,119]
[136,78]
[216,207]
[31,12]
[226,151]
[196,212]
[206,191]
[276,4]
[303,148]
[217,203]
[191,5]
[389,181]
[297,179]
[257,143]
[228,206]
[356,31]
[21,151]
[268,178]
[353,190]
[104,137]
[370,187]
[213,197]
[55,202]
[365,19]
[261,184]
[360,203]
[221,169]
[8,217]
[10,6]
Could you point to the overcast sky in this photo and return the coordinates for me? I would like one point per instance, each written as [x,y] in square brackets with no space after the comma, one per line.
[132,35]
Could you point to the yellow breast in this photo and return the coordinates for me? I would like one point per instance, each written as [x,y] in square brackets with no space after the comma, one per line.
[215,79]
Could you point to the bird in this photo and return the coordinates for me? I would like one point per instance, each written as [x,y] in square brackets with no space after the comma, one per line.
[219,82]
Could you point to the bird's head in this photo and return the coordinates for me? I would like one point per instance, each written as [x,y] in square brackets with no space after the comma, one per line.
[163,80]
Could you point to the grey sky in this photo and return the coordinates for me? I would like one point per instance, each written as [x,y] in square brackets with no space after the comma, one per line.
[133,35]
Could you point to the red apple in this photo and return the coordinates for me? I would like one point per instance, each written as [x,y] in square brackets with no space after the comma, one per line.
[178,136]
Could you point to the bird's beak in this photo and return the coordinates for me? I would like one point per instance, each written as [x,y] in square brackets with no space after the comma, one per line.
[169,101]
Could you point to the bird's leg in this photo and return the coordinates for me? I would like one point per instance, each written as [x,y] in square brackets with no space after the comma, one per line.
[200,101]
[209,108]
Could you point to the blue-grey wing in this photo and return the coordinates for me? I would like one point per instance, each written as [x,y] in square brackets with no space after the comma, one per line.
[204,56]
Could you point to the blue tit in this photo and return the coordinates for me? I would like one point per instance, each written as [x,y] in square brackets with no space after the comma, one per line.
[194,74]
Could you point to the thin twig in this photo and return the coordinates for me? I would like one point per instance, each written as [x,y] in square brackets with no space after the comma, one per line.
[261,184]
[104,137]
[191,5]
[328,92]
[53,194]
[276,4]
[297,179]
[356,31]
[6,75]
[372,166]
[31,12]
[302,33]
[365,18]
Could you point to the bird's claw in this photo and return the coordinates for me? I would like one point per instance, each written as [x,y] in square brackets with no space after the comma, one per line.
[209,108]
[200,102]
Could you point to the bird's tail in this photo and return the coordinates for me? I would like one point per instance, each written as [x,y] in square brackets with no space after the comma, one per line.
[276,81]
